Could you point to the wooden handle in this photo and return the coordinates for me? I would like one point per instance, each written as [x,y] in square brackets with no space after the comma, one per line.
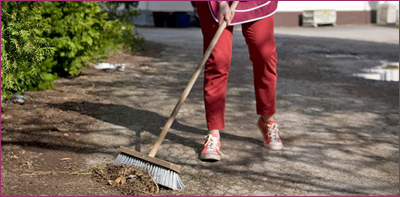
[189,86]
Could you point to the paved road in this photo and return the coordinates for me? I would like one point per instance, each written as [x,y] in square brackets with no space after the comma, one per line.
[340,132]
[373,33]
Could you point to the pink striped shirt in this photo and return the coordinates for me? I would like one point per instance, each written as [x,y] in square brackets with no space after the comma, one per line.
[247,11]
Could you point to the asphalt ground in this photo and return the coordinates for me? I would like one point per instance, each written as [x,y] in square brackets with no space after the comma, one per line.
[340,131]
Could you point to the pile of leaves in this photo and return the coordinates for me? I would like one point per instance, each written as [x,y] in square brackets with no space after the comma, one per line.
[130,180]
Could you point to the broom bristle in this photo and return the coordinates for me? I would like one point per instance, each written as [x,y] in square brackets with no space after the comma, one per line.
[163,176]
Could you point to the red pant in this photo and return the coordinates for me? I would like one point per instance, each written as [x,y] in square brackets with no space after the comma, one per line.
[259,37]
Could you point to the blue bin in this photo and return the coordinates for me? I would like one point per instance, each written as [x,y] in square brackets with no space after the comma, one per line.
[183,19]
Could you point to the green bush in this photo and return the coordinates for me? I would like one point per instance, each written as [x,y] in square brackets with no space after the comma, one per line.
[45,40]
[130,39]
[80,32]
[22,46]
[124,15]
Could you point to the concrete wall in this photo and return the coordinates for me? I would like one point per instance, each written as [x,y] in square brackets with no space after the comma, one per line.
[348,12]
[293,6]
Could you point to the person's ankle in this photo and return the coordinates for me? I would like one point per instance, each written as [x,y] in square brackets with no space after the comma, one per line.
[266,119]
[214,132]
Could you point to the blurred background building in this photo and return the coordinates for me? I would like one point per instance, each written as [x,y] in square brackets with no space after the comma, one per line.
[289,13]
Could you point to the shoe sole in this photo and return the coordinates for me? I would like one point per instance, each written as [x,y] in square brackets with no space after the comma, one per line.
[210,157]
[267,145]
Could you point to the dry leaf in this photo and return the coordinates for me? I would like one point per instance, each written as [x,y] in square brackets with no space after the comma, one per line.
[118,179]
[123,180]
[29,164]
[62,129]
[6,117]
[152,190]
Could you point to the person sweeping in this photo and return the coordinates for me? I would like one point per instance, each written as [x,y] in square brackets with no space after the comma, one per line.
[257,21]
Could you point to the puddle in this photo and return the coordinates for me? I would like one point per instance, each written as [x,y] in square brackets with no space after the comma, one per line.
[388,71]
[341,56]
[333,55]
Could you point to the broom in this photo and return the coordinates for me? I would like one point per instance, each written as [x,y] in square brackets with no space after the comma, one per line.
[163,172]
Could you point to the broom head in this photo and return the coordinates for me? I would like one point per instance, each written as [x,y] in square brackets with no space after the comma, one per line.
[163,172]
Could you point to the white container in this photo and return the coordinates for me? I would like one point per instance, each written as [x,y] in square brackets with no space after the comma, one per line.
[319,17]
[387,13]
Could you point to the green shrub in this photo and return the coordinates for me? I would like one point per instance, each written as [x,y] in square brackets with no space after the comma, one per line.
[22,46]
[130,39]
[124,15]
[80,32]
[44,40]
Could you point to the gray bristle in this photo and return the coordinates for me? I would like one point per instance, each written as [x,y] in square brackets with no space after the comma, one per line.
[163,176]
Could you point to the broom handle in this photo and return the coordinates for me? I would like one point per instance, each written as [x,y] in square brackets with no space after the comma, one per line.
[189,86]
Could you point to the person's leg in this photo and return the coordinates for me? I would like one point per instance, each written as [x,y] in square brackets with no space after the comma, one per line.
[216,69]
[259,37]
[215,80]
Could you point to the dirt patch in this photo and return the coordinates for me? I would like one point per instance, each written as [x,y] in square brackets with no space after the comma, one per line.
[45,141]
[130,180]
